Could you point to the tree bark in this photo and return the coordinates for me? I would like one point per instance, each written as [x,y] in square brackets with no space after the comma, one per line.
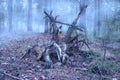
[46,25]
[97,17]
[71,28]
[29,19]
[47,7]
[2,19]
[10,14]
[83,15]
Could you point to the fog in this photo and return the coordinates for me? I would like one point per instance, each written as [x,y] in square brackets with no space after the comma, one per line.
[66,10]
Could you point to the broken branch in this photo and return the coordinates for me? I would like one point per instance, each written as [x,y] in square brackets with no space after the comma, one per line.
[14,77]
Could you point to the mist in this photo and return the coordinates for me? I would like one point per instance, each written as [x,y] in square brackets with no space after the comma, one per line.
[66,10]
[59,39]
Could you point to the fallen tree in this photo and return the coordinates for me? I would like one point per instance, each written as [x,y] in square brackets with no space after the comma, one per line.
[58,48]
[72,27]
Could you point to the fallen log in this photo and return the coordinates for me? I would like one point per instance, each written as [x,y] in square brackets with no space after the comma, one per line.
[76,27]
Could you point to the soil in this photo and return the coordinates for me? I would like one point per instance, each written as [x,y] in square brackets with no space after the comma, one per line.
[12,67]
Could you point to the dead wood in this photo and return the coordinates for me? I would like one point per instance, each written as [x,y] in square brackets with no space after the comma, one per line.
[54,50]
[54,53]
[72,28]
[34,50]
[8,75]
[84,43]
[68,39]
[53,26]
[75,27]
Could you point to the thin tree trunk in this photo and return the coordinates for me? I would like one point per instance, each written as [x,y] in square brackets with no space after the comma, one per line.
[10,14]
[46,25]
[29,19]
[83,15]
[97,17]
[2,19]
[47,7]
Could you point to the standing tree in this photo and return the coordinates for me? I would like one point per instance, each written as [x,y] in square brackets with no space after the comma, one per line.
[2,16]
[29,17]
[46,25]
[47,7]
[10,14]
[1,21]
[97,17]
[83,15]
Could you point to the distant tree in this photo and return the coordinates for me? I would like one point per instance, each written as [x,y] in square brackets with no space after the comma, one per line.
[47,7]
[46,25]
[83,16]
[2,16]
[112,28]
[29,17]
[19,11]
[10,14]
[97,22]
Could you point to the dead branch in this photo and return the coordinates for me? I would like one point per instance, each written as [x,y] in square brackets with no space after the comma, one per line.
[75,21]
[54,20]
[78,16]
[49,16]
[75,27]
[35,50]
[11,76]
[53,26]
[72,28]
[84,42]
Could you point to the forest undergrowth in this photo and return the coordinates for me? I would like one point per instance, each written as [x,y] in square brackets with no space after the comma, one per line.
[82,65]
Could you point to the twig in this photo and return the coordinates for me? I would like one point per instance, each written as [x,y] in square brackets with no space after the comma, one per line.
[14,77]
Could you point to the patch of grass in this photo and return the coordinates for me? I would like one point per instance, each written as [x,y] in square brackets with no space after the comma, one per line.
[104,68]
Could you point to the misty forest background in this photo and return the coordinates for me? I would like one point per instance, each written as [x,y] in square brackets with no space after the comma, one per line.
[100,18]
[23,23]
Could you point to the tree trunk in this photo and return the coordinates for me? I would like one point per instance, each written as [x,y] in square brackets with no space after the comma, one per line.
[10,14]
[97,17]
[83,15]
[29,19]
[46,25]
[2,15]
[72,28]
[47,7]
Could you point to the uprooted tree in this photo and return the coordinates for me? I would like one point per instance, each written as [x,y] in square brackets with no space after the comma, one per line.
[68,39]
[59,48]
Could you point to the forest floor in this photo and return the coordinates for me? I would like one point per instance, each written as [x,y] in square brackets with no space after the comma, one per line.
[78,67]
